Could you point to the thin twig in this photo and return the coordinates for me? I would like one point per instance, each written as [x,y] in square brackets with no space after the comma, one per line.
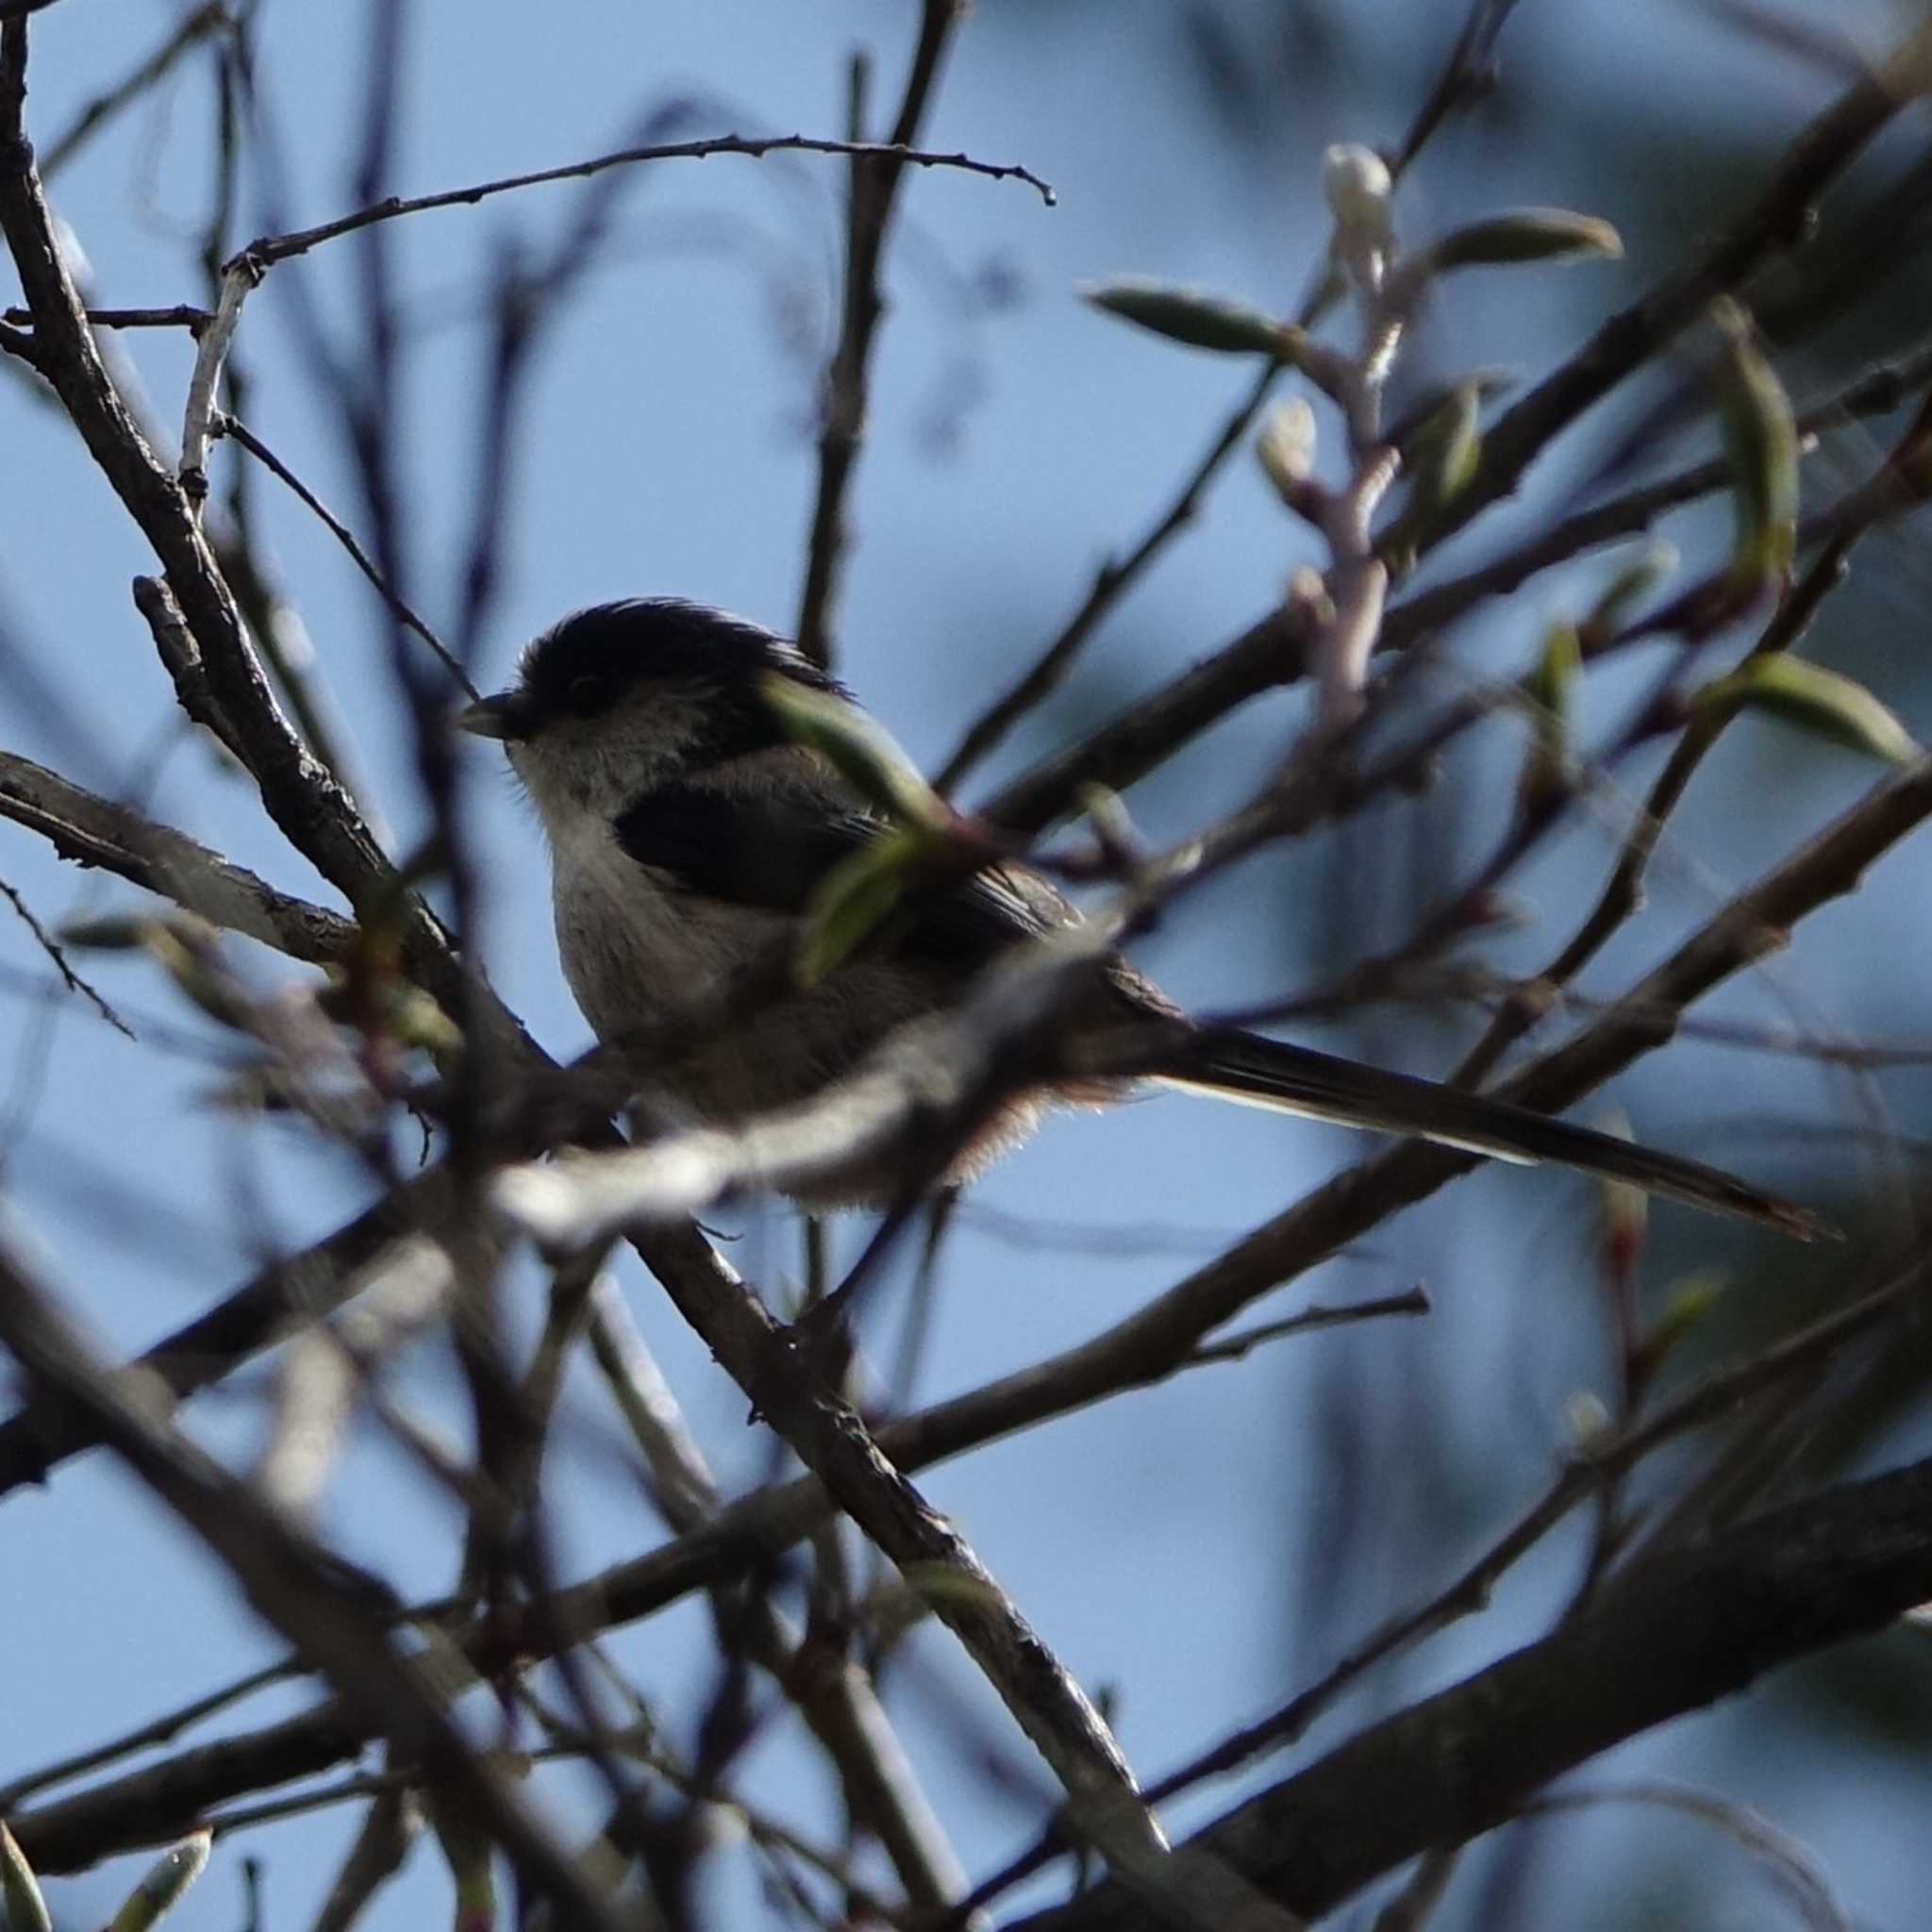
[1272,652]
[1233,1348]
[1706,1400]
[873,190]
[225,425]
[92,830]
[834,1695]
[1621,895]
[829,1437]
[186,34]
[1467,75]
[181,315]
[1111,583]
[270,249]
[1785,1860]
[62,965]
[210,354]
[744,1533]
[291,1582]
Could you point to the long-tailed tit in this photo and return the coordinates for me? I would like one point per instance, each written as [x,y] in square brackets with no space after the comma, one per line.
[688,831]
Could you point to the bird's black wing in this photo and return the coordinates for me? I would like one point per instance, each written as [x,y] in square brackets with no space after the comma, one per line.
[770,852]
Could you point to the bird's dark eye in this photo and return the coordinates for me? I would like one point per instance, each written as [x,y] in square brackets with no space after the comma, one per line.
[586,696]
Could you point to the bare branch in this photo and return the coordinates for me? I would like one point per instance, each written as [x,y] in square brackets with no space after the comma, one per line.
[1111,583]
[186,34]
[92,830]
[181,315]
[1685,1631]
[270,249]
[1272,652]
[225,425]
[874,186]
[57,957]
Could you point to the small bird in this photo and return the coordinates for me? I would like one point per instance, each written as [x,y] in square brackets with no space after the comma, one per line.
[688,830]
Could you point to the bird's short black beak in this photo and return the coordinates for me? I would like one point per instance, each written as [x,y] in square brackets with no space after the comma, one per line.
[506,716]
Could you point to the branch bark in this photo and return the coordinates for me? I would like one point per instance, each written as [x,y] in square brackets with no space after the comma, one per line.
[1694,1627]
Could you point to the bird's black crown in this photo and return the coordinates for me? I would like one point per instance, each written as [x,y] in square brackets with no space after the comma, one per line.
[592,659]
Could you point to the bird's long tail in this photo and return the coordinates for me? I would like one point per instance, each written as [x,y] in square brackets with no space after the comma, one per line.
[1296,1079]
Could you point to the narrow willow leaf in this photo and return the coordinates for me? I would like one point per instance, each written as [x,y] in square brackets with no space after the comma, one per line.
[1822,702]
[864,753]
[113,932]
[20,1892]
[406,1013]
[1409,430]
[192,962]
[1550,693]
[854,897]
[1529,234]
[1689,1303]
[1442,456]
[1193,316]
[1624,592]
[165,1884]
[1762,440]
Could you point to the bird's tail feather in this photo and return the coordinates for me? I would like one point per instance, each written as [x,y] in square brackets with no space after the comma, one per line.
[1296,1079]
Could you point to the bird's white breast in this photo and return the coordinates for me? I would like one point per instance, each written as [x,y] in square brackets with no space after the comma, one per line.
[635,952]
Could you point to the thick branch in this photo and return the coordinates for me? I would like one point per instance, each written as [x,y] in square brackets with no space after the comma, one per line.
[93,830]
[767,1362]
[299,796]
[1693,1627]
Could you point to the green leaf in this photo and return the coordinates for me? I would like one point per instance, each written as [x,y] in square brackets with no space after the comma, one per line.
[1816,700]
[1193,316]
[863,752]
[1762,440]
[1529,234]
[1550,694]
[1685,1311]
[406,1013]
[1407,433]
[1624,592]
[854,897]
[113,932]
[20,1892]
[1442,456]
[163,1888]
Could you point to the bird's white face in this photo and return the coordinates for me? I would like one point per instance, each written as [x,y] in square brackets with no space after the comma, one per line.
[574,767]
[625,698]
